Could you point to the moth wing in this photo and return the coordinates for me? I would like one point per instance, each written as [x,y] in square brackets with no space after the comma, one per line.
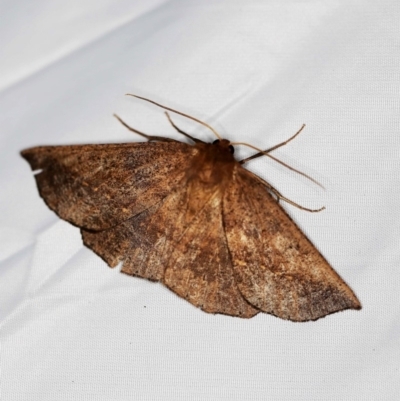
[98,186]
[200,268]
[181,243]
[277,268]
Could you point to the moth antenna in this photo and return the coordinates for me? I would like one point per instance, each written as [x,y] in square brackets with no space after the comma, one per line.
[177,112]
[262,152]
[280,196]
[196,140]
[148,137]
[273,147]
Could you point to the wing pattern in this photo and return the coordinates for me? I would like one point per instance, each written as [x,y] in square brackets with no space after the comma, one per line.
[180,242]
[277,269]
[98,186]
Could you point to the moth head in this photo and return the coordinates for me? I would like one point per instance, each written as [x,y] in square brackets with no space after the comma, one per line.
[224,145]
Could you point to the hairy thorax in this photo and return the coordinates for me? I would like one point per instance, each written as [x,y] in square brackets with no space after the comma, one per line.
[213,166]
[208,176]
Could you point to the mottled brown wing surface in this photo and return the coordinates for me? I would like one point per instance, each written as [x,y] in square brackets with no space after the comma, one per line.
[180,242]
[99,186]
[277,269]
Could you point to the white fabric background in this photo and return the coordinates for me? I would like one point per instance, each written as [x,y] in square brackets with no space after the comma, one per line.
[71,327]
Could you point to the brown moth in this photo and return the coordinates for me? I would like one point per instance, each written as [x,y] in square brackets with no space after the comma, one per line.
[191,217]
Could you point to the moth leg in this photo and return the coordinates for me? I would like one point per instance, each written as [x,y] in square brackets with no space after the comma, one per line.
[259,154]
[148,137]
[280,196]
[181,131]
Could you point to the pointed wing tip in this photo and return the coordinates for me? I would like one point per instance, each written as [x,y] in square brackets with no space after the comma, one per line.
[25,153]
[29,155]
[352,304]
[314,319]
[352,300]
[356,305]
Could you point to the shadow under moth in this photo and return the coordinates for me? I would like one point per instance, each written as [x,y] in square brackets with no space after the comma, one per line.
[191,217]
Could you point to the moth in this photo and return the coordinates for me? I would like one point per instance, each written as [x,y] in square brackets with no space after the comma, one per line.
[192,217]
